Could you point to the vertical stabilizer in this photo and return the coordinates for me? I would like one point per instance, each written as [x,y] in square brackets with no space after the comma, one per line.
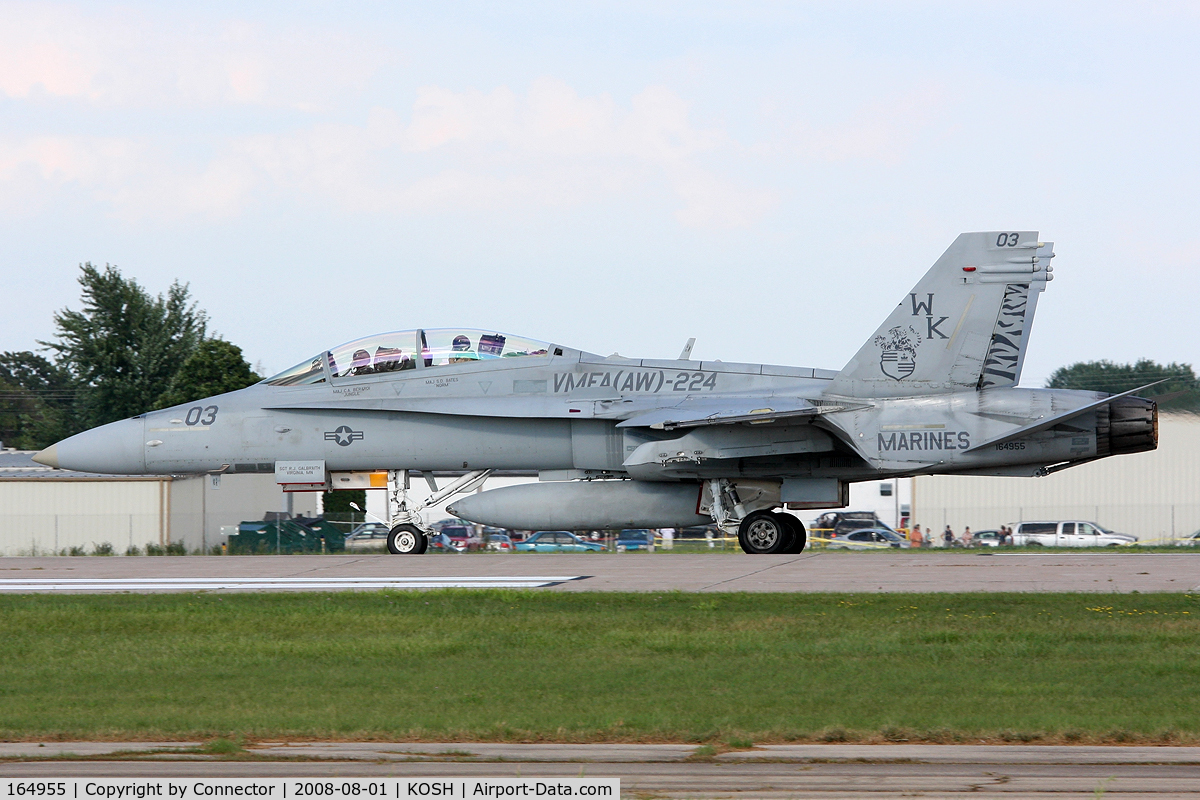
[965,325]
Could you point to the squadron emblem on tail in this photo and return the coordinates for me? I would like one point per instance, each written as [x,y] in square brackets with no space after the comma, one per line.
[898,358]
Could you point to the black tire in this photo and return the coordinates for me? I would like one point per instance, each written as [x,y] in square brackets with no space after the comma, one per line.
[799,535]
[407,540]
[765,533]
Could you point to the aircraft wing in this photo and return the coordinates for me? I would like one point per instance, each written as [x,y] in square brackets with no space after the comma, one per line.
[730,411]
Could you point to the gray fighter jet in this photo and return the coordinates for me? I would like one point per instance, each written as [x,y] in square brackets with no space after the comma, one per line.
[644,443]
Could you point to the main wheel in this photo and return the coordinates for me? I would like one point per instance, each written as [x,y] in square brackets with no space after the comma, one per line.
[764,532]
[407,540]
[799,535]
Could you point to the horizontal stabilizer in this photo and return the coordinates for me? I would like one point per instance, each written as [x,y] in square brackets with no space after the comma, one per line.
[1046,423]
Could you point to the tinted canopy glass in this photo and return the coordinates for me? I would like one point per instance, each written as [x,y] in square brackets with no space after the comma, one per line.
[306,372]
[404,350]
[441,347]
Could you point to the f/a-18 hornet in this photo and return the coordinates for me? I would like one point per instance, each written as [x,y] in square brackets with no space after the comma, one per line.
[645,443]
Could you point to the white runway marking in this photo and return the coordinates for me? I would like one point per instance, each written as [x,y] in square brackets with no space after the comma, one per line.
[306,584]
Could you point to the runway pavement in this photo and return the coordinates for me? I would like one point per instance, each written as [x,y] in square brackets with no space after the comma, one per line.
[817,571]
[811,771]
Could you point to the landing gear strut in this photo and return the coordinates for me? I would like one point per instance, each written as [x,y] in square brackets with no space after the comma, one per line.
[409,535]
[759,532]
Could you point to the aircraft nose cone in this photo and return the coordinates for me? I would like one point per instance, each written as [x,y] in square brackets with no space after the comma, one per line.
[49,456]
[118,448]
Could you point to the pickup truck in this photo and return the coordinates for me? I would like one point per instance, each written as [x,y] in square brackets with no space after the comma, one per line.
[1068,533]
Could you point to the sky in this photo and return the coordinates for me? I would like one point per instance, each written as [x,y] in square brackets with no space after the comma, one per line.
[770,178]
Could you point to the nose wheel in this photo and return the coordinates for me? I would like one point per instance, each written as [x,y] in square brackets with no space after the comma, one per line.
[406,540]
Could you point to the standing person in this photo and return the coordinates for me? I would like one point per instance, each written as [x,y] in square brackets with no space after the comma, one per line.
[947,537]
[966,537]
[668,537]
[915,537]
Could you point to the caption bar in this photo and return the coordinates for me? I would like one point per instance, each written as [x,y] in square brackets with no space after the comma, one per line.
[309,788]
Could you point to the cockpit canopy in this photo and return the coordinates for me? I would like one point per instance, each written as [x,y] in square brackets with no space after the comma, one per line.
[397,351]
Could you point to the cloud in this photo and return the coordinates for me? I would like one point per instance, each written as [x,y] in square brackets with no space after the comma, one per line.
[877,130]
[454,151]
[122,59]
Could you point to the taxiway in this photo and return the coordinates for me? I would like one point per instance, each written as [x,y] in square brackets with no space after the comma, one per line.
[816,571]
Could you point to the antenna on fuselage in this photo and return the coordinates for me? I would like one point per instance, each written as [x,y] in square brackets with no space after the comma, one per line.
[687,350]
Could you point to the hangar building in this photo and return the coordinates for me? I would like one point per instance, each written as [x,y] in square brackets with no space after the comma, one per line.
[45,510]
[1154,496]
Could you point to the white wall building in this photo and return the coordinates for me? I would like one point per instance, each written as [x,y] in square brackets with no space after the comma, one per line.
[45,511]
[1154,495]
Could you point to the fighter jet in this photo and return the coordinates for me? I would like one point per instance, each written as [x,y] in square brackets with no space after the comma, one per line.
[645,443]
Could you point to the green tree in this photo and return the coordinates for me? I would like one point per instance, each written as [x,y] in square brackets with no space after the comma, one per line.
[36,401]
[339,502]
[1179,391]
[215,367]
[15,402]
[124,348]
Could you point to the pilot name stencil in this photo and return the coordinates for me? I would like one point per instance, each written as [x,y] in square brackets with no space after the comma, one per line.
[351,391]
[925,440]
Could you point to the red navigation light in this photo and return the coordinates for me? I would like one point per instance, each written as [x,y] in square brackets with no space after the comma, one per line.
[968,269]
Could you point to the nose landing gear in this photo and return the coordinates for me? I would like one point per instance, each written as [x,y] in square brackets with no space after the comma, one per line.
[409,536]
[406,540]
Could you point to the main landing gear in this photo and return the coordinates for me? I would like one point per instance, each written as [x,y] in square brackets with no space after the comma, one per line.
[760,532]
[771,532]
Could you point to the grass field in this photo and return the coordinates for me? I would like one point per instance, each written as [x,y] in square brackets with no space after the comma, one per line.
[534,666]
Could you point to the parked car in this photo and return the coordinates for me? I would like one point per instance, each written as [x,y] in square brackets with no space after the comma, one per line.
[1068,533]
[868,539]
[987,538]
[367,536]
[499,542]
[556,542]
[634,539]
[1193,540]
[464,537]
[842,522]
[848,526]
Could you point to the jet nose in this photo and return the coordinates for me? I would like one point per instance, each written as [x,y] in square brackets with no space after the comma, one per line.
[117,448]
[49,456]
